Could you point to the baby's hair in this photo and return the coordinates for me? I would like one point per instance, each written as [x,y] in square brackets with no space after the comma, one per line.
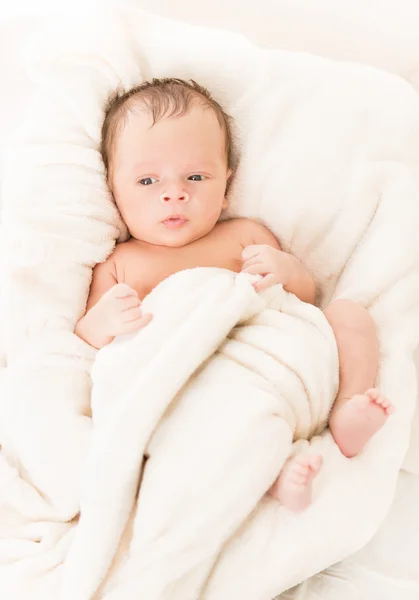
[168,97]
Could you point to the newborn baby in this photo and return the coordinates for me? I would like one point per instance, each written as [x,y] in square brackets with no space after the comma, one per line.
[167,149]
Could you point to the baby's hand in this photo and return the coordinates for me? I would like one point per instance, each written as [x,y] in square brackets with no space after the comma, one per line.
[272,264]
[118,312]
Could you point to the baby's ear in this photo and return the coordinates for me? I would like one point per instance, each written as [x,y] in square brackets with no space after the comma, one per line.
[229,174]
[109,179]
[111,194]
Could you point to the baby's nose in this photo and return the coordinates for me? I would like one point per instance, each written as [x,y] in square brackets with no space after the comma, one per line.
[175,194]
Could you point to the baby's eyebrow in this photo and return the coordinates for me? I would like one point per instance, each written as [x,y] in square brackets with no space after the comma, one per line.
[143,165]
[198,165]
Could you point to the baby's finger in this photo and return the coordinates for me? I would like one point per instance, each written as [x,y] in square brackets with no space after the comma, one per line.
[142,321]
[250,251]
[136,324]
[252,261]
[256,269]
[145,320]
[132,314]
[123,290]
[265,283]
[128,302]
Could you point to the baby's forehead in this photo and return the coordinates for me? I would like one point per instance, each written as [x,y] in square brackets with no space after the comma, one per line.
[197,123]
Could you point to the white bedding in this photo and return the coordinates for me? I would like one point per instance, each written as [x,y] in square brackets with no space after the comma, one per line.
[339,218]
[387,568]
[383,33]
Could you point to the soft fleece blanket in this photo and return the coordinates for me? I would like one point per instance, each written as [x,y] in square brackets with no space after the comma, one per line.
[330,161]
[224,423]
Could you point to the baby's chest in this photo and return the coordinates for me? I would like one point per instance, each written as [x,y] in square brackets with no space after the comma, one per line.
[145,274]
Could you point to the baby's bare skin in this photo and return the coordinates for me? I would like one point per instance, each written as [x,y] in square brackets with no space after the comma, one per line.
[143,266]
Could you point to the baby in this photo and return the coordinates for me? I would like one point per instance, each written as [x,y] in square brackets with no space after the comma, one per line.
[167,150]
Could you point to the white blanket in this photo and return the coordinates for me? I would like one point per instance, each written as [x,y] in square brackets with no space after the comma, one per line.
[330,160]
[217,428]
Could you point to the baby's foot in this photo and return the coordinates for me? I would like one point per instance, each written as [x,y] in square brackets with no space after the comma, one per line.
[354,424]
[294,485]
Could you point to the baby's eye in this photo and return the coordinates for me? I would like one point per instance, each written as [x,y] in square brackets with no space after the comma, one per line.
[196,177]
[147,180]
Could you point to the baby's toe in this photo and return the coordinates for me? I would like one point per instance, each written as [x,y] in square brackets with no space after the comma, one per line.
[299,475]
[301,469]
[385,402]
[373,394]
[381,400]
[316,462]
[296,480]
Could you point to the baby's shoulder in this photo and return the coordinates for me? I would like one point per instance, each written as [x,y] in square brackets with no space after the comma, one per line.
[247,231]
[125,256]
[236,226]
[127,251]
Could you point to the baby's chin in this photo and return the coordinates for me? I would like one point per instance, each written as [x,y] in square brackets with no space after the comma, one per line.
[176,237]
[170,239]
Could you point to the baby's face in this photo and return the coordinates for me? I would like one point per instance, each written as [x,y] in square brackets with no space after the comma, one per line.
[169,179]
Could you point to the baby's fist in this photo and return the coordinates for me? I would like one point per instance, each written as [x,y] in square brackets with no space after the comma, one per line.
[118,312]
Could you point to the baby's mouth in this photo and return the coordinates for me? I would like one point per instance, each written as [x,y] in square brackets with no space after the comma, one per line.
[175,221]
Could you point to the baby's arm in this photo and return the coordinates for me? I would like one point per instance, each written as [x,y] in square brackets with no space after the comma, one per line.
[103,279]
[262,255]
[112,308]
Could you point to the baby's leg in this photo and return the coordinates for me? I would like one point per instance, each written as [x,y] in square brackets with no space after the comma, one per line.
[359,410]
